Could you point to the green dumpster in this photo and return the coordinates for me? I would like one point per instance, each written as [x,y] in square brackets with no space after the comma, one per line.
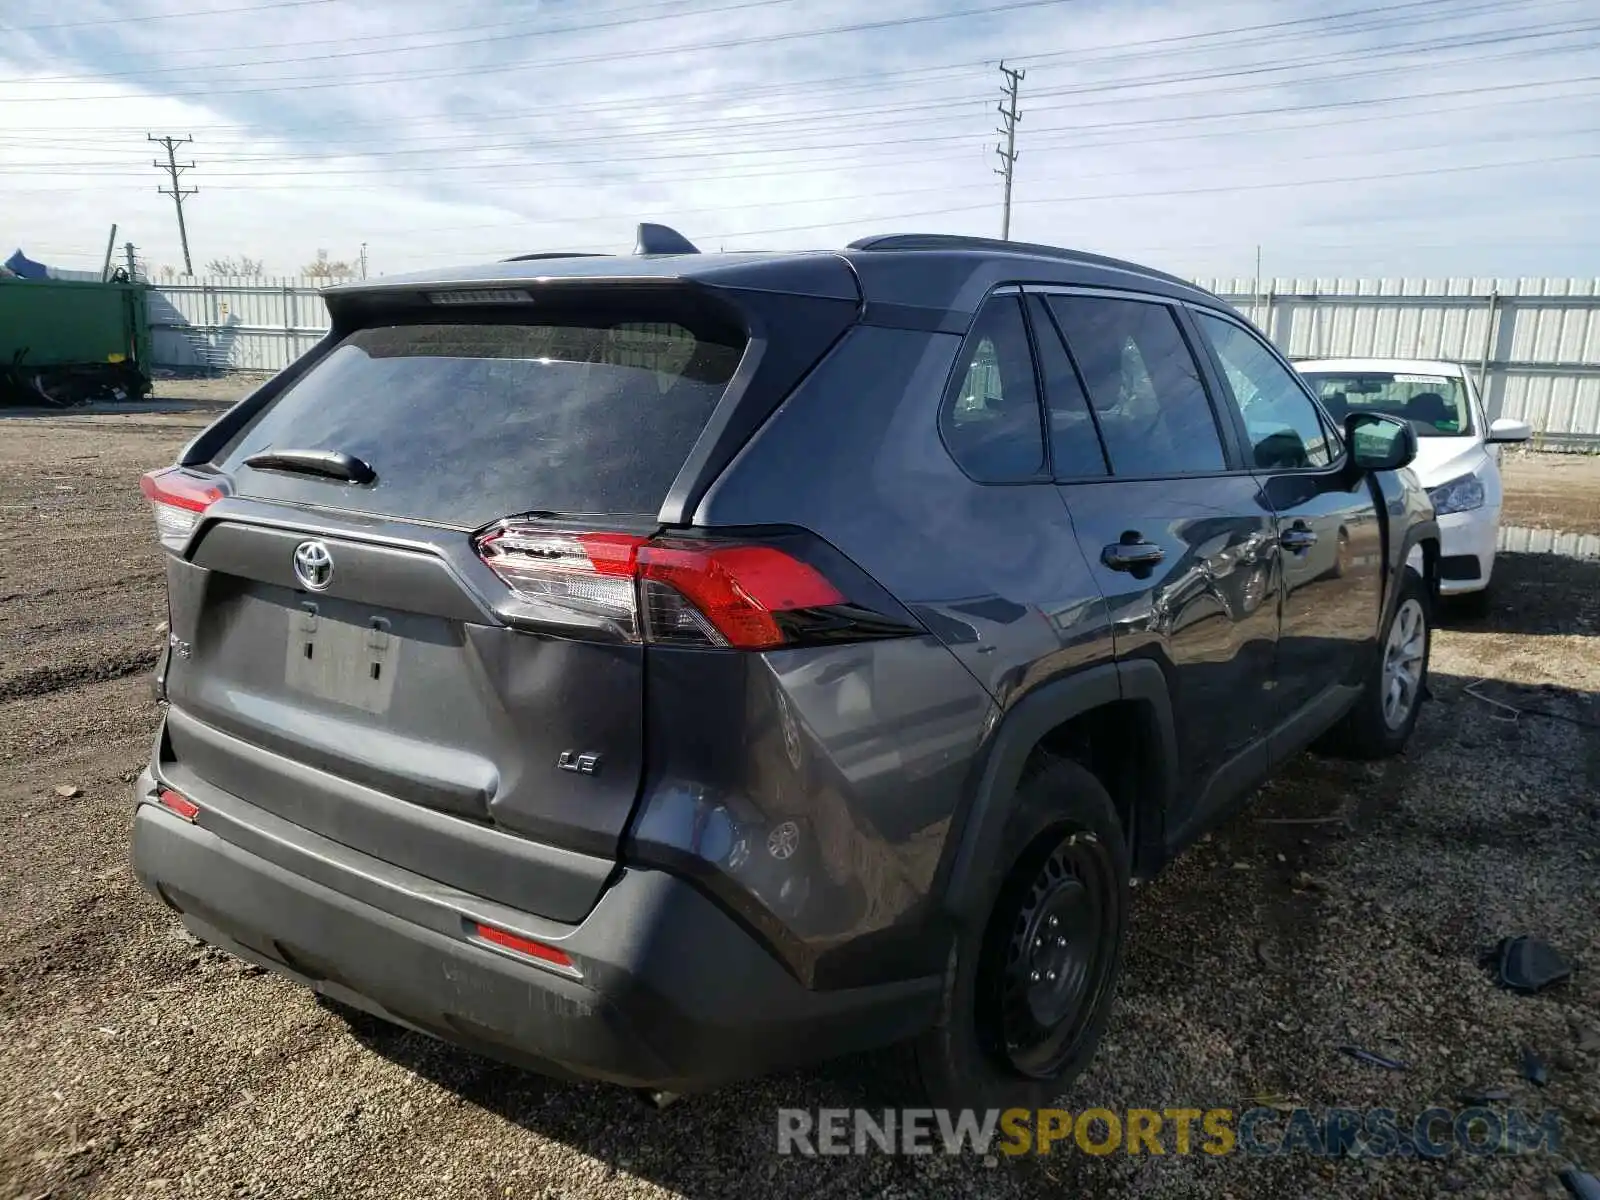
[83,327]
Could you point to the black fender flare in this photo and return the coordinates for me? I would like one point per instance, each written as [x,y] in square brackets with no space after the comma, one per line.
[1417,532]
[1014,740]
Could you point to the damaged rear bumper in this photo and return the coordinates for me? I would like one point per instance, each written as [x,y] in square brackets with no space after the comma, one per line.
[664,991]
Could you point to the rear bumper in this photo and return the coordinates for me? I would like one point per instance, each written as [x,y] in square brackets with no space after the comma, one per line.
[666,991]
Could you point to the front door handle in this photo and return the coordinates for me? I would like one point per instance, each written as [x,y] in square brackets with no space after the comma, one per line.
[1297,538]
[1131,553]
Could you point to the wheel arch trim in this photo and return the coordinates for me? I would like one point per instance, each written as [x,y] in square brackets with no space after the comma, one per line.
[1019,733]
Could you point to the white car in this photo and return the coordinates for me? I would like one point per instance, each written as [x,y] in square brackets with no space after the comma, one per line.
[1458,450]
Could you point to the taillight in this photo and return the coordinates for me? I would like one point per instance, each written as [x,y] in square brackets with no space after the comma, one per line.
[177,498]
[695,594]
[676,591]
[570,579]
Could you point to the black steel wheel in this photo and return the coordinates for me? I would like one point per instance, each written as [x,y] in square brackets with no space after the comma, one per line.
[1050,954]
[1054,905]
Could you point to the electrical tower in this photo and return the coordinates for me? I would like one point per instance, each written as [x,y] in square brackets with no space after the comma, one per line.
[173,169]
[1008,153]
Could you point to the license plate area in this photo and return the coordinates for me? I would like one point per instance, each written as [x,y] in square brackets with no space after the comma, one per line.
[340,661]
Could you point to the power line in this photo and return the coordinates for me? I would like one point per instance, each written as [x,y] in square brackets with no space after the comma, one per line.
[296,85]
[204,12]
[1360,155]
[470,27]
[700,155]
[1188,191]
[174,168]
[497,38]
[1008,152]
[1078,133]
[873,80]
[683,133]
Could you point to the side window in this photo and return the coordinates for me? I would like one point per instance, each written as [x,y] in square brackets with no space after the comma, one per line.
[1284,428]
[1144,385]
[1074,441]
[991,420]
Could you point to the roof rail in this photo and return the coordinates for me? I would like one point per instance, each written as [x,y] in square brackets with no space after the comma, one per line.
[554,254]
[956,241]
[662,239]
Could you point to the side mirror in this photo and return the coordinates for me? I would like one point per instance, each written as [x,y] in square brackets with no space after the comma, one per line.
[1378,442]
[1509,429]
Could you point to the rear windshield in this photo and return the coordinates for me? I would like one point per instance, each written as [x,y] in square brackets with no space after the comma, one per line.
[467,423]
[1436,405]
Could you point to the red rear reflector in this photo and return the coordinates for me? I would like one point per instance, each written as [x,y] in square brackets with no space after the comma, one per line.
[187,809]
[522,945]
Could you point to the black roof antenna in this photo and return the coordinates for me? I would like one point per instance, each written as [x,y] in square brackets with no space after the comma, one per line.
[662,239]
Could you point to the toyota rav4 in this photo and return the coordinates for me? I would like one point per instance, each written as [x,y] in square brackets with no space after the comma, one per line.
[666,668]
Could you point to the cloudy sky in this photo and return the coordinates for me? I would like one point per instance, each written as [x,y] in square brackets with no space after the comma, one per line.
[1347,137]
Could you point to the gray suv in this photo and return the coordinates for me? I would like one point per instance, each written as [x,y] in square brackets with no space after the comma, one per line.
[666,668]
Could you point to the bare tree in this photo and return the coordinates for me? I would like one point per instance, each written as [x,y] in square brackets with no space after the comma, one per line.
[242,265]
[323,268]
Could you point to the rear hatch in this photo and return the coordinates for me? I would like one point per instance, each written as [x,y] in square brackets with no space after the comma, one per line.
[404,608]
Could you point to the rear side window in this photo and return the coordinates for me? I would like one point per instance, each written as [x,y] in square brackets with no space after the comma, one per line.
[468,422]
[1144,384]
[1074,442]
[990,420]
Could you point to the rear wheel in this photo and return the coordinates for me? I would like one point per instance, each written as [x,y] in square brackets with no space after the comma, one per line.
[1381,722]
[1028,990]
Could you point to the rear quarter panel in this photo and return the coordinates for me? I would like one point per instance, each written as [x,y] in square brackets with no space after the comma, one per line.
[874,749]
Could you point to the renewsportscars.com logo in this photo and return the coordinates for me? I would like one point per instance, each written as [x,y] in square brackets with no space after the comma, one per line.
[1331,1133]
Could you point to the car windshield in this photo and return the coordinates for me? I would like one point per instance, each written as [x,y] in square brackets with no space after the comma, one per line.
[1436,405]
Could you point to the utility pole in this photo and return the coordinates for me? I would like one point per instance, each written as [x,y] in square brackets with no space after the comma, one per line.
[174,168]
[363,260]
[132,267]
[1008,153]
[111,244]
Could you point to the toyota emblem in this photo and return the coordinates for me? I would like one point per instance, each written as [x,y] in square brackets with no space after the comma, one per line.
[313,565]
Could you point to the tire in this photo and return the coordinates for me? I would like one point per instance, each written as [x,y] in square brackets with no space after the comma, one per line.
[1063,858]
[1375,728]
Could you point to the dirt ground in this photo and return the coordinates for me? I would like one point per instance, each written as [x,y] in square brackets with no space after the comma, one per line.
[1348,905]
[1552,491]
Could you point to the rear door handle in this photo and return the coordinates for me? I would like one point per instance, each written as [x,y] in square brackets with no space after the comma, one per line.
[1297,538]
[1131,553]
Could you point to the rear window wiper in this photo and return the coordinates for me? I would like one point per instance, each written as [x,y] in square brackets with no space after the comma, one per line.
[331,464]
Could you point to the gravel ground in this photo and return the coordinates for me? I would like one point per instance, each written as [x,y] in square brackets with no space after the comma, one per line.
[136,1063]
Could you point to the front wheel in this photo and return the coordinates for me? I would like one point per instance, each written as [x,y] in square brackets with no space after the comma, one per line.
[1381,722]
[1028,990]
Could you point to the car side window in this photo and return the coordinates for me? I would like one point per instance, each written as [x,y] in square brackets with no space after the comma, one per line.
[990,420]
[1143,382]
[1285,430]
[1074,440]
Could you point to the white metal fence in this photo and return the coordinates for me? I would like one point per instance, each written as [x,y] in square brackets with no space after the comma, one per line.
[227,323]
[1536,342]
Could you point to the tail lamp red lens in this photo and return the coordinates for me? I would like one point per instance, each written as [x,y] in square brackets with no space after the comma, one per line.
[177,498]
[664,590]
[172,802]
[522,945]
